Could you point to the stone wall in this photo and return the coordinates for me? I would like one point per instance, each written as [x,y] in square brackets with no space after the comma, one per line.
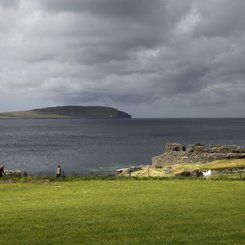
[179,154]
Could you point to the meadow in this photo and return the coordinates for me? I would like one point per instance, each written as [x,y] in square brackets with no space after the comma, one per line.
[123,212]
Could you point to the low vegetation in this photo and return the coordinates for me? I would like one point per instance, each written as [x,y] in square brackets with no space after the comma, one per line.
[219,166]
[122,212]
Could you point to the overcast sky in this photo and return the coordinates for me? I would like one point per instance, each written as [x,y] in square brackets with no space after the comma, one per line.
[151,58]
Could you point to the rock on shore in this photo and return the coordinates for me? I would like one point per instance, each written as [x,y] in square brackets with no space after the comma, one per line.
[180,154]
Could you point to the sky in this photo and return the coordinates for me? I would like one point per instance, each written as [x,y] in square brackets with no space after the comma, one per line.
[151,58]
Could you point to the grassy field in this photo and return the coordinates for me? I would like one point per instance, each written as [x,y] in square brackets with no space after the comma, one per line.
[123,212]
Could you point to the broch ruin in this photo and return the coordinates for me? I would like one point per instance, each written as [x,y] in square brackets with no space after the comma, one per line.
[180,154]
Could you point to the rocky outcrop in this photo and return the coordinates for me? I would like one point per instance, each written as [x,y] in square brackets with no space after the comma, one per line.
[122,171]
[179,154]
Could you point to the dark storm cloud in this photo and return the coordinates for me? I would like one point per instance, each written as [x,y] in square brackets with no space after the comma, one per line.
[164,53]
[113,27]
[108,8]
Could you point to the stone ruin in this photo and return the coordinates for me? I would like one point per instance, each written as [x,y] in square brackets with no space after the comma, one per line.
[179,154]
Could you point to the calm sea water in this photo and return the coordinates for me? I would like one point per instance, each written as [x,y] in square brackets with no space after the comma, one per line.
[78,145]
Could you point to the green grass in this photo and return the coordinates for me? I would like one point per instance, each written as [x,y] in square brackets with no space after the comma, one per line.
[123,212]
[30,114]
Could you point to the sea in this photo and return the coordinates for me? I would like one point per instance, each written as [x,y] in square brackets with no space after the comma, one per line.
[79,145]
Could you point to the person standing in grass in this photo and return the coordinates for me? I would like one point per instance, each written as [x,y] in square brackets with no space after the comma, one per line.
[58,172]
[2,171]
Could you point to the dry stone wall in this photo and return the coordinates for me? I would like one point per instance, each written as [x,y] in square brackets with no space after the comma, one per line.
[179,154]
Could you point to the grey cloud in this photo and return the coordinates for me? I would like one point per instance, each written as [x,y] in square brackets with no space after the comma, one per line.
[107,8]
[10,3]
[221,18]
[212,98]
[103,97]
[123,23]
[188,79]
[126,52]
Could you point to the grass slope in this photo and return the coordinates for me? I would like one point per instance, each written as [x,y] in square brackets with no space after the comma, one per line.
[123,212]
[178,168]
[29,114]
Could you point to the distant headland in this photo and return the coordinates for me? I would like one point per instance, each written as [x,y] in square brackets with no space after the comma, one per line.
[72,112]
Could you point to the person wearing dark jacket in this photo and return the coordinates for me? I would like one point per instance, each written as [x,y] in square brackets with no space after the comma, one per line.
[2,171]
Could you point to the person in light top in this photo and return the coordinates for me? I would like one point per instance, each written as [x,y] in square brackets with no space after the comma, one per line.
[58,172]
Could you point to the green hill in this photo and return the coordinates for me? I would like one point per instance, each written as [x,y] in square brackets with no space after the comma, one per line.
[88,112]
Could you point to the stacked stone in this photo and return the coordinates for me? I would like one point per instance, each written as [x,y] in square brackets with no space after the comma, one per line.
[178,154]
